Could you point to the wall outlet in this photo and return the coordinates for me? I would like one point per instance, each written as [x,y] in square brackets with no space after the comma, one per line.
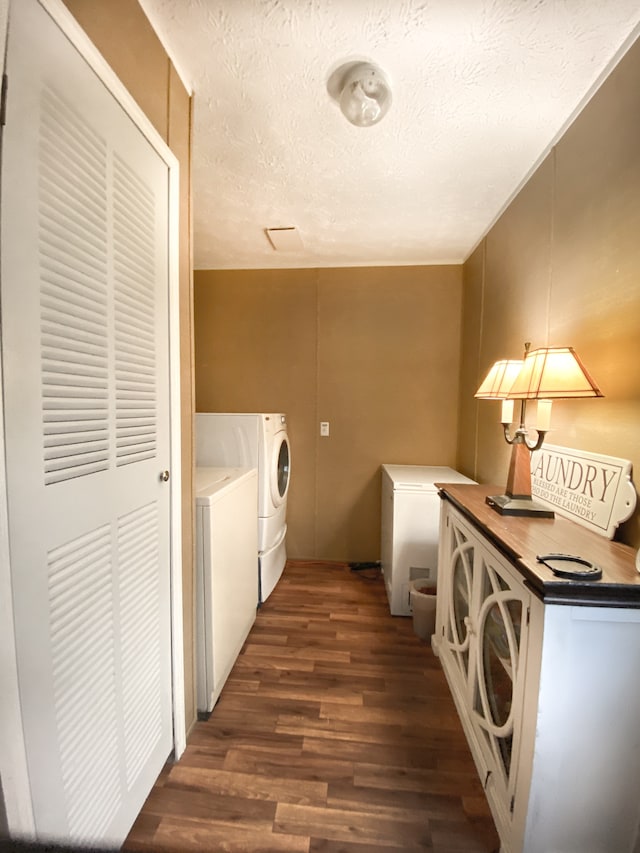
[324,428]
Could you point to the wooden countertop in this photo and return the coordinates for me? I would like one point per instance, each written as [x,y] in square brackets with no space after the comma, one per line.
[522,539]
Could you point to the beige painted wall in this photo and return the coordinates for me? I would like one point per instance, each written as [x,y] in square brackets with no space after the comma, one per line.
[562,266]
[124,36]
[374,351]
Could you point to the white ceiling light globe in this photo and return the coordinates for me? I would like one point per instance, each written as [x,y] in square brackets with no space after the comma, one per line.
[366,96]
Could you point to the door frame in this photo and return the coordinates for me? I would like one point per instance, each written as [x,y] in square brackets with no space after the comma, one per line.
[14,777]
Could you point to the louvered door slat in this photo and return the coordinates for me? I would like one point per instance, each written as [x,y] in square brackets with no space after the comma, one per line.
[138,555]
[73,313]
[89,224]
[134,214]
[83,668]
[57,271]
[131,354]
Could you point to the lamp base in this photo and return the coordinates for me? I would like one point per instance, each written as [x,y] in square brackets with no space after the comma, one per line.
[522,506]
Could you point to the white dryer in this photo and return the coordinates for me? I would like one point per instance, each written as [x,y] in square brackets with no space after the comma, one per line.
[254,440]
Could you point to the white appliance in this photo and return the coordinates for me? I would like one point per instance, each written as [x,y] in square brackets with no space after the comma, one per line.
[409,528]
[226,583]
[254,441]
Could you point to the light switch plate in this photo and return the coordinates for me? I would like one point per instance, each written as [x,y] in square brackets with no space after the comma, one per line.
[324,428]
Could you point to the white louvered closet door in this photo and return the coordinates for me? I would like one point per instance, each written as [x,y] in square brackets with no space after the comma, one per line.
[85,352]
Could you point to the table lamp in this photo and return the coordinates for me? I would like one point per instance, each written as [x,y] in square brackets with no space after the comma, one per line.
[545,374]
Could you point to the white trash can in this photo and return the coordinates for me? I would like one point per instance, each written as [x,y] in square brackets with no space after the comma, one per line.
[423,608]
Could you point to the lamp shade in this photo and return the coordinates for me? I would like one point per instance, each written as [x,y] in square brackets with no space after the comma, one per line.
[552,373]
[499,380]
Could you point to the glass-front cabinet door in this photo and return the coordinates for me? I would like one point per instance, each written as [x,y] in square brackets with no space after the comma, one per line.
[496,668]
[484,611]
[458,616]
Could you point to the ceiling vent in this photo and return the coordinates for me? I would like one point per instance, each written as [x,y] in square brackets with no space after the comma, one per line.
[285,239]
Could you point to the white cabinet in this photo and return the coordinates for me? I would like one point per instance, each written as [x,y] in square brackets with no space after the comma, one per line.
[409,528]
[481,635]
[545,682]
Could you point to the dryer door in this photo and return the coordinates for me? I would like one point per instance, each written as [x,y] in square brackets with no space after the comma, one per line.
[280,469]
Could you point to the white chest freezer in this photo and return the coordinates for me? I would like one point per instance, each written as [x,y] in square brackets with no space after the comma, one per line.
[409,528]
[226,573]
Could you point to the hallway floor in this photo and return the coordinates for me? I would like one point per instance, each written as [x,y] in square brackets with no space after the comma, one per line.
[335,733]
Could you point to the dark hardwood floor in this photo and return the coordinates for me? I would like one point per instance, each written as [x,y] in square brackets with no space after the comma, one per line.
[335,733]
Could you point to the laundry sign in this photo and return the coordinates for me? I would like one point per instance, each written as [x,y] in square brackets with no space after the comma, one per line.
[589,488]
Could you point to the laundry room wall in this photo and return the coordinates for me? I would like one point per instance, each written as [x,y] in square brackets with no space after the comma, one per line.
[125,38]
[375,351]
[562,267]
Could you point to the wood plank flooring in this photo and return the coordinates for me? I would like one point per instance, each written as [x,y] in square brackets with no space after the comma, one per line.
[335,733]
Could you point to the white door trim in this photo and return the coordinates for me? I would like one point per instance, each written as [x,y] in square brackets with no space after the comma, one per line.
[13,765]
[13,759]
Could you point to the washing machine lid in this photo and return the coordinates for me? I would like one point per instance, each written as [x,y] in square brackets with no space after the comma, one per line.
[422,477]
[211,483]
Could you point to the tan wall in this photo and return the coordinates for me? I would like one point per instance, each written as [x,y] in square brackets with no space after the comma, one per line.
[562,266]
[374,351]
[124,36]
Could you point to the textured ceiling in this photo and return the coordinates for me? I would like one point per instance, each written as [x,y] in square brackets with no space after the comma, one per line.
[481,89]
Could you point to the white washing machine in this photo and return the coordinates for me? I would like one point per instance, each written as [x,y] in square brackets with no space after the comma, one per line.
[254,440]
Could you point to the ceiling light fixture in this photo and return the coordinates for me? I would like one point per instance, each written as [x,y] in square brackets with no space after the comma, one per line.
[363,93]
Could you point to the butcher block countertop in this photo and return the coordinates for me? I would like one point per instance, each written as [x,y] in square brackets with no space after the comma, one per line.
[521,540]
